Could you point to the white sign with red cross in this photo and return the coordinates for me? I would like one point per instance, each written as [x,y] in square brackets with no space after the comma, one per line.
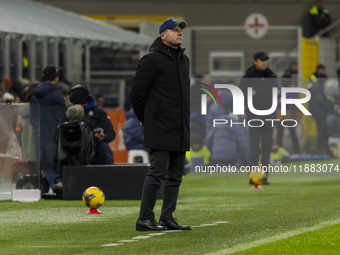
[256,25]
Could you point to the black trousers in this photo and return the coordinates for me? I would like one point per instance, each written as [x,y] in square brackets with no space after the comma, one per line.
[166,167]
[264,135]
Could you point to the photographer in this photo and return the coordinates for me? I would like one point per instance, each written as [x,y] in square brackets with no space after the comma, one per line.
[99,122]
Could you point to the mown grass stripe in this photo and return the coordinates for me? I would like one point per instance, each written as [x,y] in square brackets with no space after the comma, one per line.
[275,238]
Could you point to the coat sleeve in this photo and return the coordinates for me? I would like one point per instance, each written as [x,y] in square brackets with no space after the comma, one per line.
[106,124]
[145,74]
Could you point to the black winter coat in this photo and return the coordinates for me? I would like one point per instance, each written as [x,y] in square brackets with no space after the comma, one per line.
[160,97]
[262,83]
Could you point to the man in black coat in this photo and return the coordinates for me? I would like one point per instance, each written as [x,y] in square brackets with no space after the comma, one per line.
[160,97]
[262,80]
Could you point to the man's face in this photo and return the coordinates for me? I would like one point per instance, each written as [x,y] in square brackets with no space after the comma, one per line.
[173,37]
[100,101]
[320,70]
[319,5]
[260,64]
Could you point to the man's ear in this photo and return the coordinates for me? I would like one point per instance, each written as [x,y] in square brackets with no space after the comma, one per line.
[162,36]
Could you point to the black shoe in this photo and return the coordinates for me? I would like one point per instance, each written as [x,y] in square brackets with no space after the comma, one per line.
[148,225]
[173,225]
[266,182]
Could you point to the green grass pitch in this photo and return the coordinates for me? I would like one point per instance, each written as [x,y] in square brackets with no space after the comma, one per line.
[291,216]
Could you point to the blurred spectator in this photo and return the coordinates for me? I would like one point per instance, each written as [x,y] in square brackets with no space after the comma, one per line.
[6,84]
[262,80]
[319,73]
[197,124]
[332,93]
[319,19]
[100,100]
[227,144]
[278,155]
[65,88]
[28,92]
[51,108]
[16,88]
[8,98]
[25,61]
[199,153]
[133,133]
[99,122]
[28,136]
[320,107]
[292,112]
[24,84]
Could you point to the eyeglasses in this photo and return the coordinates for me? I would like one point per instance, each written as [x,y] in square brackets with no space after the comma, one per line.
[177,30]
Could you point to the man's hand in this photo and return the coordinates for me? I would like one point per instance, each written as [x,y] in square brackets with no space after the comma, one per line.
[99,136]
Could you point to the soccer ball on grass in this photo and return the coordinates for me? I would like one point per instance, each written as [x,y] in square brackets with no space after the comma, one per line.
[256,177]
[93,198]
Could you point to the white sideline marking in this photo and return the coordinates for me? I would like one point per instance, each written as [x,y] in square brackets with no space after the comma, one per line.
[246,246]
[52,246]
[157,234]
[141,237]
[111,244]
[207,225]
[211,224]
[137,238]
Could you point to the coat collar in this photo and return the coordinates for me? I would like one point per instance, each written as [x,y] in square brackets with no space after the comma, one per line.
[159,46]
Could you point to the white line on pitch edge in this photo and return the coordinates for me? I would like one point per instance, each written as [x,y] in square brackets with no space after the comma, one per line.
[137,238]
[275,238]
[112,244]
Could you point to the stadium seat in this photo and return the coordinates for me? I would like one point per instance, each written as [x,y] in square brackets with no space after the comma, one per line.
[133,154]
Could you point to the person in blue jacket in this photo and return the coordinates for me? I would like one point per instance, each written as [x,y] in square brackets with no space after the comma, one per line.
[228,145]
[133,132]
[47,109]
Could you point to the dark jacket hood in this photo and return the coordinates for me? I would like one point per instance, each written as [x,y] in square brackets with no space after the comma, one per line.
[159,46]
[44,88]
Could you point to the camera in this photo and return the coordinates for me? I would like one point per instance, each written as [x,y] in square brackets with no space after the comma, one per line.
[98,130]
